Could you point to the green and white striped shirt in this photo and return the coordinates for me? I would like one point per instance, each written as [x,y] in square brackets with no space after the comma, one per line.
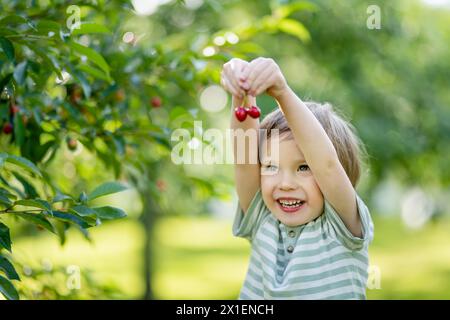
[317,260]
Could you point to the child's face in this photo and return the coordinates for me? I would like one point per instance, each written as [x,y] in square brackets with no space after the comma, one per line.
[289,177]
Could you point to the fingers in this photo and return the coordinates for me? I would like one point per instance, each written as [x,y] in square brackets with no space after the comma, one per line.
[267,82]
[231,72]
[230,87]
[254,71]
[261,82]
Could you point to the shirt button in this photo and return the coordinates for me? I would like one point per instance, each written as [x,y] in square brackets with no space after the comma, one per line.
[292,233]
[290,249]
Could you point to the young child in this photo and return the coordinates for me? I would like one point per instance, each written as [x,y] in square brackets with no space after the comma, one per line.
[308,228]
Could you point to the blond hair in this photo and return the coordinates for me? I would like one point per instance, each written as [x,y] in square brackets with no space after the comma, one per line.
[341,132]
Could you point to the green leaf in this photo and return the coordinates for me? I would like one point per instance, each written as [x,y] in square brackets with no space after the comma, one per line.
[83,211]
[71,218]
[86,28]
[47,61]
[38,219]
[37,203]
[94,72]
[61,197]
[13,19]
[8,48]
[5,240]
[5,81]
[8,268]
[46,26]
[61,228]
[109,213]
[83,197]
[119,143]
[286,10]
[7,194]
[23,163]
[16,190]
[105,189]
[295,28]
[30,191]
[92,55]
[3,157]
[7,289]
[84,83]
[19,130]
[20,72]
[161,139]
[5,200]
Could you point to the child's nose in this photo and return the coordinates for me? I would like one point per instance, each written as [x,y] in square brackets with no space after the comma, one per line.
[288,182]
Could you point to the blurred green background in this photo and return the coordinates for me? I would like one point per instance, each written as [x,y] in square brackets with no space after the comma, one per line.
[176,243]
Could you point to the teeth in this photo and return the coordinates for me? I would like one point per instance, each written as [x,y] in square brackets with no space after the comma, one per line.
[290,202]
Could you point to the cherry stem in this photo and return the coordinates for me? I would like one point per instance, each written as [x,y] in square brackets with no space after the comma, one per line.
[244,102]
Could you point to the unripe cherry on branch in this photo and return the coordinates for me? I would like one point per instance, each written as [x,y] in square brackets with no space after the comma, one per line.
[25,119]
[119,95]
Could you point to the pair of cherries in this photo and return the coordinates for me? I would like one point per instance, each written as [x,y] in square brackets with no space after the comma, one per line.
[241,112]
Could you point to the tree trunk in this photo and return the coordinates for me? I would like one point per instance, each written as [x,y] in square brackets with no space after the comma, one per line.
[148,217]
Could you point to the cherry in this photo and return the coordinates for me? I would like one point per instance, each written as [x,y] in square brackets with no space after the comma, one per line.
[156,102]
[254,112]
[14,108]
[25,119]
[72,144]
[75,94]
[161,185]
[119,96]
[8,128]
[240,113]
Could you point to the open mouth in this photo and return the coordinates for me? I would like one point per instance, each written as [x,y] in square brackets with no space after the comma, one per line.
[290,205]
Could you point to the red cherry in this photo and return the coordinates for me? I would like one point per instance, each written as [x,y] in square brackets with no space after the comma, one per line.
[161,185]
[14,108]
[156,102]
[72,144]
[8,128]
[254,112]
[240,113]
[75,97]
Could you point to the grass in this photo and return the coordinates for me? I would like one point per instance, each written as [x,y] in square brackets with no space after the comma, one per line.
[198,258]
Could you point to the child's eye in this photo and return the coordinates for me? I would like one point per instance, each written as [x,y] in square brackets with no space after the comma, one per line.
[303,167]
[270,167]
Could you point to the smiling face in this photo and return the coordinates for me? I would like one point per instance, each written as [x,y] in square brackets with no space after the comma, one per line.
[288,186]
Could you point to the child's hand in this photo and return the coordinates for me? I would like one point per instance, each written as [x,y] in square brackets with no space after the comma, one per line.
[263,75]
[231,72]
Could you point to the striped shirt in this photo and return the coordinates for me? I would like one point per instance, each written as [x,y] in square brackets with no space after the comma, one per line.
[317,260]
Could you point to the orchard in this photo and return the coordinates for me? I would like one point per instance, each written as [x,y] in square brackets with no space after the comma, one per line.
[92,91]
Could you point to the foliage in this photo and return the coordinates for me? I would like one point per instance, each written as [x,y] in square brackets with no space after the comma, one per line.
[56,215]
[115,87]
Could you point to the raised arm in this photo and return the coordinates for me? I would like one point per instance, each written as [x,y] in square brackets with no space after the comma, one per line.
[264,75]
[245,141]
[247,173]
